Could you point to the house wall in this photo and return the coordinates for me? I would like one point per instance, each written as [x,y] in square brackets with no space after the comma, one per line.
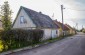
[71,32]
[66,32]
[50,33]
[23,25]
[47,33]
[60,32]
[54,33]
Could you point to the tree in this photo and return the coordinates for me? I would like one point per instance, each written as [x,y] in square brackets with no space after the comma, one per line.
[5,15]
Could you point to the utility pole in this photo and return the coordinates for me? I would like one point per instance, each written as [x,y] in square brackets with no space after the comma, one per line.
[77,26]
[62,19]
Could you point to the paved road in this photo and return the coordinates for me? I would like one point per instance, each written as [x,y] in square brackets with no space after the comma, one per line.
[74,45]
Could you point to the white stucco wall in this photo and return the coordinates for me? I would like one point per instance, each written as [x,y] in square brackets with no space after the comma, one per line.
[54,34]
[23,25]
[49,33]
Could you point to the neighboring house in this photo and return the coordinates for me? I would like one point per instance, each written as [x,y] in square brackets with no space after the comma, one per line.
[29,19]
[61,30]
[83,30]
[71,30]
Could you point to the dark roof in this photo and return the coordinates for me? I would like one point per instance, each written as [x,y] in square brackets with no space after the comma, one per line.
[56,23]
[39,19]
[60,25]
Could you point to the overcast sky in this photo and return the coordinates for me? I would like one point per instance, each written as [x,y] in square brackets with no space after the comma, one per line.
[73,12]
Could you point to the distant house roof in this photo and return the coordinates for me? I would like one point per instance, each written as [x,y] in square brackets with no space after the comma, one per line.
[39,19]
[60,25]
[56,24]
[69,27]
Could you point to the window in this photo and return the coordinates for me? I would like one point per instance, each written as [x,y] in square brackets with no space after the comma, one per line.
[22,19]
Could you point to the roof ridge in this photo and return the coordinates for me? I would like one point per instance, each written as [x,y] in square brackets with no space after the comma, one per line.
[35,11]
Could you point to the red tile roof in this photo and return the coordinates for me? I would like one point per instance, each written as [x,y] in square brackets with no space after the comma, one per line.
[60,25]
[69,26]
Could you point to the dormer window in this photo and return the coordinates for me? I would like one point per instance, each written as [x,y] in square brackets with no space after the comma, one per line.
[22,20]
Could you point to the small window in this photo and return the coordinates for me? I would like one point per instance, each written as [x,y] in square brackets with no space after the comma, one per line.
[22,20]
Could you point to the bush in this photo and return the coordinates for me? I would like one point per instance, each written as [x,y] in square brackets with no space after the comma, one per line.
[18,38]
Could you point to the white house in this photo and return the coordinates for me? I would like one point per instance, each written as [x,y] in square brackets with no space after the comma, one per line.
[29,19]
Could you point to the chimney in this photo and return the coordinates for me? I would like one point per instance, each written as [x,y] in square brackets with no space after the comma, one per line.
[40,12]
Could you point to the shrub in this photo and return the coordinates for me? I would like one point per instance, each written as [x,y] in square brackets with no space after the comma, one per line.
[37,36]
[18,38]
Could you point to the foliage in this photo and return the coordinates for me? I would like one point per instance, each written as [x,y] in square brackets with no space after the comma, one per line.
[19,38]
[5,15]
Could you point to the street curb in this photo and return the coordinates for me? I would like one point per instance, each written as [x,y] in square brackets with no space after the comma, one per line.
[21,49]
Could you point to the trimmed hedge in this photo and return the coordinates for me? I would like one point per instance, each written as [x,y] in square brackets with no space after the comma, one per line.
[18,38]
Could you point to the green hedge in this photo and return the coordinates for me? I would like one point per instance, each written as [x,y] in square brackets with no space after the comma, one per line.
[19,38]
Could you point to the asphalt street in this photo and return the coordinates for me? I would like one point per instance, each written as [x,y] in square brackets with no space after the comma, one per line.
[74,45]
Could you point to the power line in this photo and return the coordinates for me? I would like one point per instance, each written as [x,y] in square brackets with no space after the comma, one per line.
[56,1]
[75,9]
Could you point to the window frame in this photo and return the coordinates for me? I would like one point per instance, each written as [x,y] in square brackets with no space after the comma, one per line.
[22,20]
